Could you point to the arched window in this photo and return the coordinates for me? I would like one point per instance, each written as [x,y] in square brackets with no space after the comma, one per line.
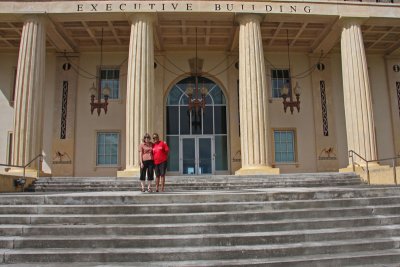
[210,122]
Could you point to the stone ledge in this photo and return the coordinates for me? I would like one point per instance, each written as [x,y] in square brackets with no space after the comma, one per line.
[379,174]
[7,183]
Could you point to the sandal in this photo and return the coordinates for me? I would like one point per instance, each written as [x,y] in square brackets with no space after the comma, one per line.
[143,190]
[149,190]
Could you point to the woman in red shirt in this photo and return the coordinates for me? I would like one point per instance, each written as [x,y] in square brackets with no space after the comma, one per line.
[146,162]
[160,156]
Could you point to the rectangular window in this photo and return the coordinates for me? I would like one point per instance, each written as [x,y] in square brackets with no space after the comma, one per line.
[110,78]
[107,152]
[284,142]
[278,78]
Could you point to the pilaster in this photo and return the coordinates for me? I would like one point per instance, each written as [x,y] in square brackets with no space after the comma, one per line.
[65,95]
[393,77]
[324,115]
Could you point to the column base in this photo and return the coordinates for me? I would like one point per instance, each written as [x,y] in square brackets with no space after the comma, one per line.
[129,173]
[378,174]
[257,170]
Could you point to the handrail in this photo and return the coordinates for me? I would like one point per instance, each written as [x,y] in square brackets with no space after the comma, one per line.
[38,157]
[351,155]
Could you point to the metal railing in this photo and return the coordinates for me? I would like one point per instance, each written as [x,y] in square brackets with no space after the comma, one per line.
[39,158]
[393,159]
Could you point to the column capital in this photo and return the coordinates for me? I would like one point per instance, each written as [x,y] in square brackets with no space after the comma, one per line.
[39,18]
[148,17]
[346,22]
[243,18]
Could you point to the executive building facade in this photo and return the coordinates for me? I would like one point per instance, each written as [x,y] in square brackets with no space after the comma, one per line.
[209,76]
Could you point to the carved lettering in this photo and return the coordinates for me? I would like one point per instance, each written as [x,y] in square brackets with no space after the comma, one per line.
[188,6]
[174,6]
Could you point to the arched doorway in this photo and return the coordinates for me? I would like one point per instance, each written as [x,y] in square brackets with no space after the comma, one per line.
[198,141]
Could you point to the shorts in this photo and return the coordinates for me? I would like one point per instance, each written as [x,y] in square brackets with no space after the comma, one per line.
[148,166]
[160,169]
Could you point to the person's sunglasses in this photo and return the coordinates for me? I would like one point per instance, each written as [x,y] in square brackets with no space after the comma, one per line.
[155,137]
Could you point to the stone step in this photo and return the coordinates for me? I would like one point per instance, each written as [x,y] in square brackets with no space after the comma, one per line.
[195,253]
[173,189]
[201,179]
[272,194]
[194,207]
[225,178]
[198,217]
[210,239]
[187,186]
[385,258]
[198,184]
[183,181]
[215,182]
[197,228]
[290,226]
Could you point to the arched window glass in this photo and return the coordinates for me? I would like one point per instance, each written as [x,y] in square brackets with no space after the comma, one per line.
[212,121]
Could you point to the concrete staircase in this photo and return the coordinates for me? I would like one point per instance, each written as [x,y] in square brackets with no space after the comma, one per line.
[352,225]
[184,183]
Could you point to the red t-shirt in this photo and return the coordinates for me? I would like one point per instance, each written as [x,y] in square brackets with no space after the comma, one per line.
[160,152]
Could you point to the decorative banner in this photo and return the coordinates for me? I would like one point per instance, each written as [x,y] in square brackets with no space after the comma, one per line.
[398,95]
[64,106]
[324,108]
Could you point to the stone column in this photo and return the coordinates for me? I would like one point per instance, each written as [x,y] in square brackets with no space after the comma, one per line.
[357,93]
[140,90]
[28,116]
[253,100]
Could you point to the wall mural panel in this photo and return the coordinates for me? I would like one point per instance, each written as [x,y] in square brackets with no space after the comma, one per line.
[64,109]
[324,108]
